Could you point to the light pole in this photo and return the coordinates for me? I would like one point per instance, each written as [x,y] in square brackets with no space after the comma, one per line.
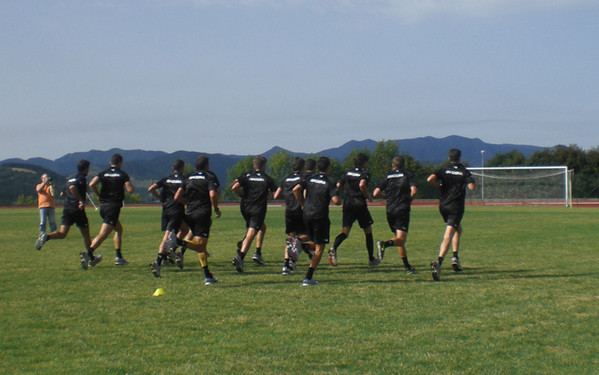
[482,175]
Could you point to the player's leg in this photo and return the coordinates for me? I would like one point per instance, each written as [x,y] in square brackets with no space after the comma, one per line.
[455,244]
[118,241]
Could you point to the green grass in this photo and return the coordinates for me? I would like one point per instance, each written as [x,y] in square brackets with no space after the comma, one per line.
[527,301]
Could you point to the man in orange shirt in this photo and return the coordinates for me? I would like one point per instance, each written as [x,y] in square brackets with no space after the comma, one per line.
[45,204]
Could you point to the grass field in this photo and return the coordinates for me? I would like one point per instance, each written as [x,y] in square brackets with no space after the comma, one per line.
[526,303]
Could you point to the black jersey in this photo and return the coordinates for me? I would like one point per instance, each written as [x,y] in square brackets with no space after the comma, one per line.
[113,182]
[320,189]
[287,185]
[397,186]
[256,185]
[169,186]
[80,183]
[350,182]
[453,180]
[197,187]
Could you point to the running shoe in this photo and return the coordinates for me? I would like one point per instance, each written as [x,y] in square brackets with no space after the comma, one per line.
[286,271]
[84,259]
[118,261]
[210,280]
[41,240]
[380,248]
[410,270]
[455,263]
[309,282]
[179,259]
[238,262]
[333,256]
[258,259]
[97,259]
[155,269]
[436,270]
[374,262]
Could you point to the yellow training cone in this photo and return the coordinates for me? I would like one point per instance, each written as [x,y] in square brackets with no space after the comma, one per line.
[159,292]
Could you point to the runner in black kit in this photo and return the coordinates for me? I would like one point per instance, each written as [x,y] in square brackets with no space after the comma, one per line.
[452,182]
[199,192]
[113,182]
[320,190]
[74,195]
[173,212]
[294,220]
[400,189]
[355,207]
[254,188]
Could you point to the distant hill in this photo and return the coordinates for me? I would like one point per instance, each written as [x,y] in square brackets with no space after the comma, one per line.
[148,166]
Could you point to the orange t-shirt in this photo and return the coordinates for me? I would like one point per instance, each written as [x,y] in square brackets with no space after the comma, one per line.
[45,197]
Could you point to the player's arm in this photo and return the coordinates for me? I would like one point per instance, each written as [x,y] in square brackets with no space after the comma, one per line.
[278,193]
[378,193]
[298,194]
[413,191]
[153,189]
[336,200]
[75,194]
[432,180]
[364,190]
[129,187]
[237,189]
[94,185]
[180,196]
[471,186]
[214,201]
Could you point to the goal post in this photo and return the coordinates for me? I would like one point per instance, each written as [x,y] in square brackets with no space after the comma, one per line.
[526,185]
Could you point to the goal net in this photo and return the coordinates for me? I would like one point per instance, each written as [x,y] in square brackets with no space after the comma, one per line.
[550,185]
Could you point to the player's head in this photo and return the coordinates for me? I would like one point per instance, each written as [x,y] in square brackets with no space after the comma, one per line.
[323,164]
[202,163]
[310,165]
[178,166]
[297,164]
[455,155]
[116,159]
[398,162]
[360,160]
[259,163]
[83,165]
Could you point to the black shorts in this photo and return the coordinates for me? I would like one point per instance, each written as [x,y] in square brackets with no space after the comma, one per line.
[452,215]
[399,220]
[254,220]
[171,220]
[319,230]
[294,223]
[199,223]
[351,214]
[110,213]
[76,216]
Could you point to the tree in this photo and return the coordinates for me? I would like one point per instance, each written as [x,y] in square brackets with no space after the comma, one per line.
[379,162]
[235,171]
[279,165]
[507,159]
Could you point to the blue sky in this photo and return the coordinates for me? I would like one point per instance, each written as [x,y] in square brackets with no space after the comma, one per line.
[242,76]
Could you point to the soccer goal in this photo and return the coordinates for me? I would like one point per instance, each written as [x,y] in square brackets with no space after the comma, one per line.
[533,185]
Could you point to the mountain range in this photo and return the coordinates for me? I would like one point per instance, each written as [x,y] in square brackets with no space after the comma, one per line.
[151,165]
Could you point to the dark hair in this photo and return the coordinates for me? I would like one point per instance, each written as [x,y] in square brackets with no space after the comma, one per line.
[82,165]
[259,162]
[455,155]
[202,162]
[398,162]
[297,163]
[360,159]
[310,164]
[323,163]
[116,158]
[178,165]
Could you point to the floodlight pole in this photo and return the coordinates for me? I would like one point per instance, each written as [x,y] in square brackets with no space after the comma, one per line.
[482,177]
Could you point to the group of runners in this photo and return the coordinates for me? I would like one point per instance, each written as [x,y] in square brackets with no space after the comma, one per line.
[188,203]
